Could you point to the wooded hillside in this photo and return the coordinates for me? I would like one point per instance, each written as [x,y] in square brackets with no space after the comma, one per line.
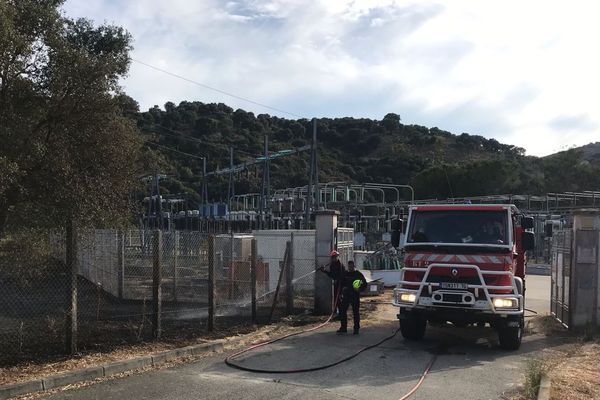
[437,163]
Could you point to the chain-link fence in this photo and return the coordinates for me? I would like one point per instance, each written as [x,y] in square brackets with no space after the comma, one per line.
[303,270]
[124,271]
[33,294]
[561,269]
[136,285]
[232,274]
[288,261]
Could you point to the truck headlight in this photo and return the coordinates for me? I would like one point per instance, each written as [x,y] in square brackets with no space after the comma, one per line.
[506,302]
[406,297]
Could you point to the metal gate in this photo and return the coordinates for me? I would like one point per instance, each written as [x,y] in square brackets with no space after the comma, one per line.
[561,276]
[344,244]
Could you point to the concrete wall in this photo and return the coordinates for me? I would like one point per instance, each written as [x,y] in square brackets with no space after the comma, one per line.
[270,245]
[585,276]
[326,222]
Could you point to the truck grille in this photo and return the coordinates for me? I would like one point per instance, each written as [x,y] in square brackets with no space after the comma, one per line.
[450,297]
[471,280]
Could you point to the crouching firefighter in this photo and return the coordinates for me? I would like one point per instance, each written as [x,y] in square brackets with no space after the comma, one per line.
[353,283]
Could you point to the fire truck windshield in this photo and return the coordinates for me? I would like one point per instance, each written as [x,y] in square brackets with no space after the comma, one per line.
[459,227]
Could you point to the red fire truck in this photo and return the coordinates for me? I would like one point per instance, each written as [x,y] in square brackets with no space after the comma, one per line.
[464,264]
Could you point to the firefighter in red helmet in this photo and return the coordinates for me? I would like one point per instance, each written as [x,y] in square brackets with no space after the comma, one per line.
[336,273]
[353,283]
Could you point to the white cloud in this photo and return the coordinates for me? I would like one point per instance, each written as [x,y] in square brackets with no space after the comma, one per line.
[503,69]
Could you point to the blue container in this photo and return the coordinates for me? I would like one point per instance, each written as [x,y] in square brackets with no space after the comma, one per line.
[221,209]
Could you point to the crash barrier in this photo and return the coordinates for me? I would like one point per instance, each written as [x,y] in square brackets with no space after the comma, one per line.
[131,286]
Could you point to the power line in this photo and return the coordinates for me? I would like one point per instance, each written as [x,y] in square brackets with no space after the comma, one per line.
[172,149]
[183,136]
[259,160]
[246,153]
[175,131]
[217,90]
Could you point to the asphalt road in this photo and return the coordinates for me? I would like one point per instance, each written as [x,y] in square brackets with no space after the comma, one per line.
[469,366]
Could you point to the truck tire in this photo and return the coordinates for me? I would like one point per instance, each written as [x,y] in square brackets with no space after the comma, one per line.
[412,327]
[510,337]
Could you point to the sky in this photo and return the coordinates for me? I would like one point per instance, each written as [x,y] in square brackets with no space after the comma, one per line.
[522,72]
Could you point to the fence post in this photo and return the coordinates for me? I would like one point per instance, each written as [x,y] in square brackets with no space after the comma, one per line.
[156,284]
[121,262]
[211,283]
[289,273]
[175,263]
[232,267]
[253,266]
[281,273]
[71,256]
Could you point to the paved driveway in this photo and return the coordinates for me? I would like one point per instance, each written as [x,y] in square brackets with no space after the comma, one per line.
[470,366]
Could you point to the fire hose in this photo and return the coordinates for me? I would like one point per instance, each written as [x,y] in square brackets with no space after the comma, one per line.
[229,360]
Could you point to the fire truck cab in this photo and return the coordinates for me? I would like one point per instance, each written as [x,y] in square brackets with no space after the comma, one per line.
[464,264]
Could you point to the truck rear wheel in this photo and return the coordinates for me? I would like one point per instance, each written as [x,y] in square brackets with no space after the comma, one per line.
[510,337]
[412,327]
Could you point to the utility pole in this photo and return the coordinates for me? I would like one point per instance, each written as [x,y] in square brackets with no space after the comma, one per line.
[150,205]
[316,168]
[204,196]
[157,207]
[231,189]
[313,179]
[160,214]
[268,194]
[265,187]
[186,212]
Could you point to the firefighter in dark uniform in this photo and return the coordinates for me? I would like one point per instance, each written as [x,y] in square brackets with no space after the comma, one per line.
[353,283]
[336,273]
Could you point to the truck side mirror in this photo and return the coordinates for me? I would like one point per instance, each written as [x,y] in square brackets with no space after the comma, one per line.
[528,241]
[396,239]
[527,222]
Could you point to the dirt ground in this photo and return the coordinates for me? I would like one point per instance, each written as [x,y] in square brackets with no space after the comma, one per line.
[575,375]
[573,368]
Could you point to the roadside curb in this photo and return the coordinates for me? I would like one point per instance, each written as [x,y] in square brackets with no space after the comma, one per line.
[106,370]
[544,392]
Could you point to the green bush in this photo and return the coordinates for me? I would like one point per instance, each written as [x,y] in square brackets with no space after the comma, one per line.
[31,255]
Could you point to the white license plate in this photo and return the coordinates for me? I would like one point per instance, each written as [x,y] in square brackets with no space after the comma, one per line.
[453,285]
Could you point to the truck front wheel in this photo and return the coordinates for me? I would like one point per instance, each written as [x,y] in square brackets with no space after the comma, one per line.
[510,337]
[412,327]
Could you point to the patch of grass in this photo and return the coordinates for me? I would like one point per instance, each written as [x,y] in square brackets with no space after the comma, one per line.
[546,325]
[533,377]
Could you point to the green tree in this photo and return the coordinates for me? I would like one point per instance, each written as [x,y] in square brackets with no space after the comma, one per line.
[68,148]
[391,122]
[568,171]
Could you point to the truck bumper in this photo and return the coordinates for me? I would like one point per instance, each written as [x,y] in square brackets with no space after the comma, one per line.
[461,316]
